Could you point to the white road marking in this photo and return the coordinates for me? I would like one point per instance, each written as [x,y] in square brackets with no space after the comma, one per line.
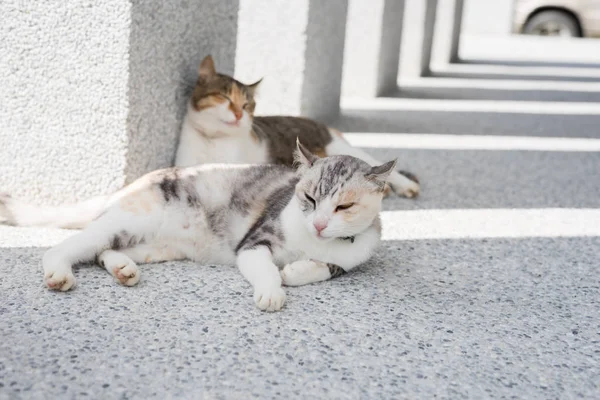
[490,223]
[470,142]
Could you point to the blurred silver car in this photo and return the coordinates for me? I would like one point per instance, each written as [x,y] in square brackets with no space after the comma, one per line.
[574,18]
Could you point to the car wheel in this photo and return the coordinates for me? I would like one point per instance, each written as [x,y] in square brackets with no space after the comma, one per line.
[552,23]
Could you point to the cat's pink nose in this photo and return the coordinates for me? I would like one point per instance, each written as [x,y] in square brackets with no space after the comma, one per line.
[320,225]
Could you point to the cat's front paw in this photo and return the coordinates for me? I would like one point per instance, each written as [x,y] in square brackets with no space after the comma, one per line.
[59,279]
[269,298]
[121,267]
[303,272]
[127,274]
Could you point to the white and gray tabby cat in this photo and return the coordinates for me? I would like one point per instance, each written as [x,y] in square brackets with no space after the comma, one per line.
[219,127]
[317,222]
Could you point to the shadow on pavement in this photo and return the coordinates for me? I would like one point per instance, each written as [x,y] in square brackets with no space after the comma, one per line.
[469,92]
[468,122]
[516,63]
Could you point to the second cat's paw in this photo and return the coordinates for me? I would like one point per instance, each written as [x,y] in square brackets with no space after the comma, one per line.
[269,298]
[407,188]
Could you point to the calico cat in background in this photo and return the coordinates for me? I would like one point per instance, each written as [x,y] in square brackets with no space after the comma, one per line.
[317,222]
[219,127]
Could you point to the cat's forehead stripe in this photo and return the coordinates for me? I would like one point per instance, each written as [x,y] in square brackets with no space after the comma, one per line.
[334,175]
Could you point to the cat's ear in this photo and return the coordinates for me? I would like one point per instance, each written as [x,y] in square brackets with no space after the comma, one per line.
[254,86]
[381,172]
[207,70]
[303,155]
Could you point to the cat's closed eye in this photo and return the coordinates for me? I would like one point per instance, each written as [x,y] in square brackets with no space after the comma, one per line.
[224,97]
[314,203]
[342,207]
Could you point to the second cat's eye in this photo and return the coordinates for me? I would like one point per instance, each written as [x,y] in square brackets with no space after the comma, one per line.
[342,207]
[246,106]
[314,203]
[221,95]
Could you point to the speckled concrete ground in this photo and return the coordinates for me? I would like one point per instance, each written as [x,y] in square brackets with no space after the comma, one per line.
[461,318]
[453,319]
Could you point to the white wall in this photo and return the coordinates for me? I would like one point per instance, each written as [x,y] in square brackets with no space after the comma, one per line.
[489,17]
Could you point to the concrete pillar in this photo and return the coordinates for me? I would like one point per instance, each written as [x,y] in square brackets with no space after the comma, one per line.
[489,17]
[297,46]
[372,49]
[455,31]
[417,38]
[449,17]
[93,92]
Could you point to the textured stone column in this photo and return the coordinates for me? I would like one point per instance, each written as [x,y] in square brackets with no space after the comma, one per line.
[417,37]
[93,92]
[372,49]
[297,46]
[456,24]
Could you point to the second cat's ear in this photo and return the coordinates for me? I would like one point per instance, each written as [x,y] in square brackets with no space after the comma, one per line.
[303,155]
[207,70]
[254,86]
[382,172]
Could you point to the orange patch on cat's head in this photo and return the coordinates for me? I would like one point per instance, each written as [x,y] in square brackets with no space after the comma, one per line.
[205,102]
[362,199]
[238,101]
[350,196]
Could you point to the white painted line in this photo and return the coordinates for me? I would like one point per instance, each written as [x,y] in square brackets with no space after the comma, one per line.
[490,223]
[500,84]
[538,70]
[470,142]
[490,106]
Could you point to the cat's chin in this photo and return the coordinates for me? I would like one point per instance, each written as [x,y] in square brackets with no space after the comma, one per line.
[234,128]
[230,124]
[322,238]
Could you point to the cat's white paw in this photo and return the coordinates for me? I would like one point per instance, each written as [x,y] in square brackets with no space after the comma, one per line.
[303,272]
[127,274]
[403,186]
[121,267]
[297,273]
[58,274]
[269,298]
[59,279]
[290,274]
[408,188]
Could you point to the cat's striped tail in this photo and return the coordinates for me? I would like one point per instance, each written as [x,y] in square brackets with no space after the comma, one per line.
[70,216]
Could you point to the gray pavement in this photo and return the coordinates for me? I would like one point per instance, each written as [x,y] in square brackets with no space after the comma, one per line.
[460,318]
[550,94]
[453,319]
[469,122]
